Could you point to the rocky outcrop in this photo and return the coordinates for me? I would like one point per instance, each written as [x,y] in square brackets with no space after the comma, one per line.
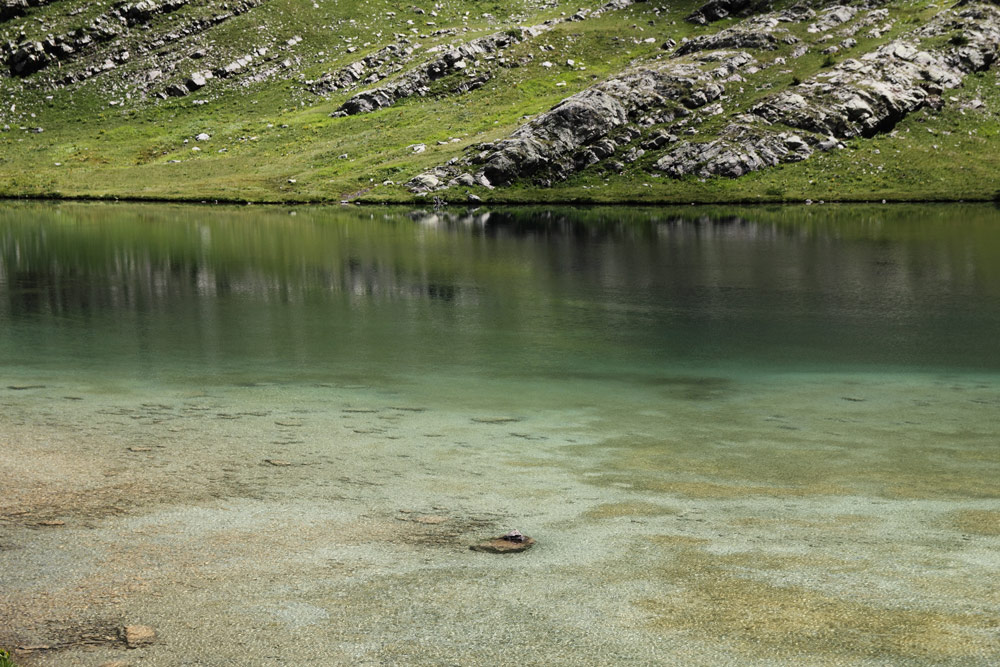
[762,32]
[28,57]
[611,6]
[731,38]
[854,98]
[143,11]
[13,8]
[370,69]
[417,81]
[833,17]
[579,131]
[740,150]
[716,10]
[869,95]
[454,61]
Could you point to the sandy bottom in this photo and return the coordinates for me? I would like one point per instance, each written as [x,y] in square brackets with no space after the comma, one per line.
[696,520]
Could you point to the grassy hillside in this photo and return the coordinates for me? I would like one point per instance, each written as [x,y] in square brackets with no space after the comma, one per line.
[108,131]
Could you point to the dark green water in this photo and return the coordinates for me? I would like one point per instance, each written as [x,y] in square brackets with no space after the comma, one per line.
[176,294]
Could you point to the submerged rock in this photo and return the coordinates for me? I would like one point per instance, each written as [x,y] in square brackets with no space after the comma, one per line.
[509,543]
[138,635]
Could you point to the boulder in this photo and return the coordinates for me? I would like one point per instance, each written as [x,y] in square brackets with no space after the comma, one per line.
[28,59]
[423,183]
[196,81]
[716,10]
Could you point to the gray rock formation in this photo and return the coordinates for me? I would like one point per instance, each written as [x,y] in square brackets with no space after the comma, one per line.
[417,81]
[716,10]
[28,57]
[869,95]
[579,131]
[375,67]
[454,61]
[855,98]
[12,8]
[740,150]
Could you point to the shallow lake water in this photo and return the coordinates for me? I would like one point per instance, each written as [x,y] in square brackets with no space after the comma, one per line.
[739,436]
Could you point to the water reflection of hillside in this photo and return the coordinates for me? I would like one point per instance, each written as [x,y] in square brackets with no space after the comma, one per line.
[76,258]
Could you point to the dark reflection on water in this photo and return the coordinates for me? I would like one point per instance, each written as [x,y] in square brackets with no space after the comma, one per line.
[625,294]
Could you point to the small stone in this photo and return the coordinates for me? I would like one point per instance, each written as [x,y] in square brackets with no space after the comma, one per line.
[138,635]
[505,544]
[203,137]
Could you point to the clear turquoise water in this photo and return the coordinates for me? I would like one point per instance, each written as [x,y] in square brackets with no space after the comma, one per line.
[786,415]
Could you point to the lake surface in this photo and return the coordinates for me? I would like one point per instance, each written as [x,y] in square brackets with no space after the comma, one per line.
[739,435]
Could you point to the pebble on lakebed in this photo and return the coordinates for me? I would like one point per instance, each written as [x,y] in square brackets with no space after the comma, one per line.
[138,635]
[511,543]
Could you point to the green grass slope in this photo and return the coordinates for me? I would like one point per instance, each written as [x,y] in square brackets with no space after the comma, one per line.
[107,130]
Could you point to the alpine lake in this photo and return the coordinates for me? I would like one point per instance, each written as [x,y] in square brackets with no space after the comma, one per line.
[739,436]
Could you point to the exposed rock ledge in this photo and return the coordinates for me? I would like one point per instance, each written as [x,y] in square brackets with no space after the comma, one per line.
[857,97]
[575,133]
[453,61]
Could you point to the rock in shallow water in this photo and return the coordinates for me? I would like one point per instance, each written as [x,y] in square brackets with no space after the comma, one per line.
[511,543]
[138,635]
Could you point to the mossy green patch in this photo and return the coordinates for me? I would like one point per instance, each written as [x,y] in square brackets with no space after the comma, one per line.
[629,509]
[976,522]
[729,598]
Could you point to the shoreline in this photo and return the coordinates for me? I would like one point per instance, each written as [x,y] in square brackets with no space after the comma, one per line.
[513,203]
